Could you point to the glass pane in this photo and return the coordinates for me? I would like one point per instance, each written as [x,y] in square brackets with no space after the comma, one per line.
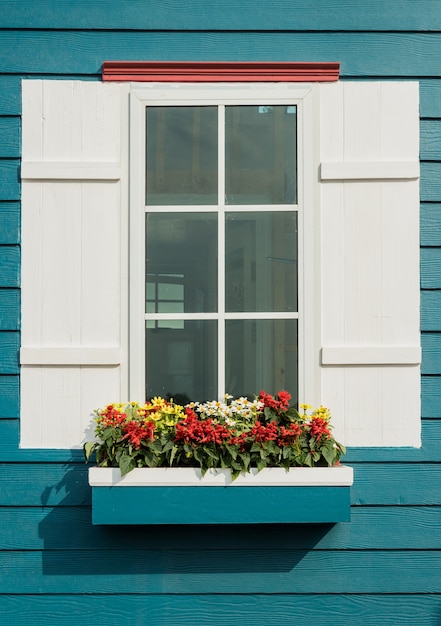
[261,155]
[261,261]
[181,363]
[181,155]
[261,354]
[181,261]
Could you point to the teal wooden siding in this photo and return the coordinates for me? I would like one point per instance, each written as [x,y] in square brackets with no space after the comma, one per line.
[380,569]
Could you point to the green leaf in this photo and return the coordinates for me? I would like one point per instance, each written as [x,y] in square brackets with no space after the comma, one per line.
[169,446]
[233,450]
[329,453]
[308,460]
[173,454]
[261,464]
[234,474]
[269,413]
[126,464]
[286,452]
[199,455]
[246,459]
[211,453]
[88,449]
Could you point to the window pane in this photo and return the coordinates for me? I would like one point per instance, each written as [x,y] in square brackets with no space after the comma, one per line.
[181,155]
[261,159]
[261,261]
[181,363]
[181,258]
[261,354]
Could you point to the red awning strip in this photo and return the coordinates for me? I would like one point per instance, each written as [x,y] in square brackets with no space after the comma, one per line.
[219,71]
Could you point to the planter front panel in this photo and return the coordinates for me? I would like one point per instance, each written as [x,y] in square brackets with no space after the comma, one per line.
[220,505]
[184,496]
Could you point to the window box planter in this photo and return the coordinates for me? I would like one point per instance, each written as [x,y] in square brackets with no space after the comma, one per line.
[184,496]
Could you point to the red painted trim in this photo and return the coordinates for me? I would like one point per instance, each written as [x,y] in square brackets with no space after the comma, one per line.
[218,71]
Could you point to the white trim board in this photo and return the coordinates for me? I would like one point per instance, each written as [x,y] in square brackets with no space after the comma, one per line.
[345,170]
[371,355]
[70,356]
[70,170]
[340,475]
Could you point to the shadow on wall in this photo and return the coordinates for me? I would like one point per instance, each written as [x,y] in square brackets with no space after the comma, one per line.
[73,546]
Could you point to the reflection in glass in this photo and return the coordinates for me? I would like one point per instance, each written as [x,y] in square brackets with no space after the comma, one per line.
[261,354]
[181,156]
[261,261]
[261,155]
[181,262]
[181,363]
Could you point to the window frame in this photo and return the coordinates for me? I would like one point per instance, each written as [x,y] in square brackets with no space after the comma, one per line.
[186,94]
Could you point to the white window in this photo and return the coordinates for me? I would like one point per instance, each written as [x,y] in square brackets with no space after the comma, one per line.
[333,240]
[219,193]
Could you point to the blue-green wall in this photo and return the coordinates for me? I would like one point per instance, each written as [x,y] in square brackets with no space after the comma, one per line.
[384,567]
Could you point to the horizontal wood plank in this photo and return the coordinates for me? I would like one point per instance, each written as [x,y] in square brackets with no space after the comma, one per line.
[82,52]
[228,571]
[395,484]
[9,179]
[249,15]
[431,396]
[9,266]
[9,346]
[371,528]
[9,396]
[430,138]
[430,260]
[10,95]
[431,310]
[9,222]
[42,484]
[10,133]
[431,343]
[210,609]
[430,98]
[430,223]
[430,183]
[9,309]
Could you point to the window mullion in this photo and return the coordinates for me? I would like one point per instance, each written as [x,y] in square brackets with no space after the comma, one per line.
[221,251]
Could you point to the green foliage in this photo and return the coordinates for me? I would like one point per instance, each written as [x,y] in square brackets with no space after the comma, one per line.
[237,434]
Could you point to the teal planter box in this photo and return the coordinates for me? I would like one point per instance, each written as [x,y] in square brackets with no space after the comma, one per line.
[183,496]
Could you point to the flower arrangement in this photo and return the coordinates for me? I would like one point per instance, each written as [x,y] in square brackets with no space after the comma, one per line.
[237,434]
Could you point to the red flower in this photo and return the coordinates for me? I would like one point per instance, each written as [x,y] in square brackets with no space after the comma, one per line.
[319,428]
[264,433]
[284,398]
[288,436]
[279,403]
[111,417]
[200,431]
[137,433]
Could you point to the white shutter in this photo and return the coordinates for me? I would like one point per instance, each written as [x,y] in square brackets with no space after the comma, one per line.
[369,150]
[74,279]
[73,270]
